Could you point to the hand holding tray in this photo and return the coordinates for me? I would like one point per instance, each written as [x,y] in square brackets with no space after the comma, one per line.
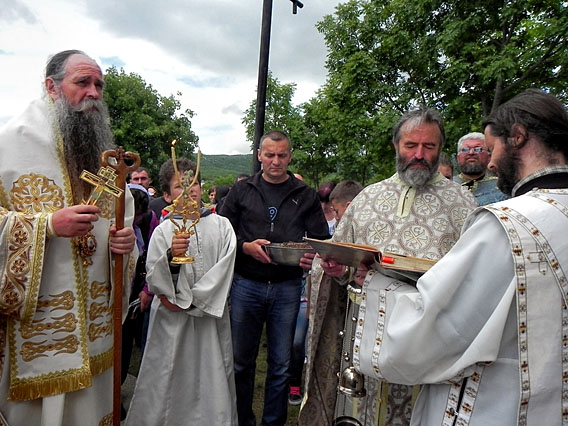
[391,264]
[345,253]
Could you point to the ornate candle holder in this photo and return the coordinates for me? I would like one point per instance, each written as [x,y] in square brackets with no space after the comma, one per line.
[185,206]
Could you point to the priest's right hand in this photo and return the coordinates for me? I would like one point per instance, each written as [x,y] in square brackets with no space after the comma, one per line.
[74,221]
[360,274]
[333,268]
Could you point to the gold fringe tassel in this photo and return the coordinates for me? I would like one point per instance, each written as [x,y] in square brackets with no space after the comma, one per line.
[101,363]
[24,390]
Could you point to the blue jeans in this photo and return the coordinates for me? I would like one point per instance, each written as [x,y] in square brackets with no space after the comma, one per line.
[252,304]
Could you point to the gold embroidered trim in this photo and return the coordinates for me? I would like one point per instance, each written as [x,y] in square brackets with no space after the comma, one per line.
[19,244]
[23,389]
[99,289]
[64,300]
[102,362]
[33,350]
[50,384]
[131,267]
[97,310]
[98,330]
[80,270]
[36,268]
[107,420]
[66,322]
[81,275]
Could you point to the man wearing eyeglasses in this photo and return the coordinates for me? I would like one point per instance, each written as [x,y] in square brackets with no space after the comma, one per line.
[473,158]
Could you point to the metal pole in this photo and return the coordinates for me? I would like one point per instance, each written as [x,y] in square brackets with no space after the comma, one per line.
[262,80]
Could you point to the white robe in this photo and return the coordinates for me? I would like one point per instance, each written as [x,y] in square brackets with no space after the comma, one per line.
[186,376]
[56,326]
[465,316]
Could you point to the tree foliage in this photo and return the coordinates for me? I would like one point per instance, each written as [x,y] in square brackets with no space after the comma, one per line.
[309,149]
[280,113]
[146,122]
[462,57]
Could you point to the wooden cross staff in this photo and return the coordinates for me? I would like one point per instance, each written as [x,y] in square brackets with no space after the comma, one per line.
[122,169]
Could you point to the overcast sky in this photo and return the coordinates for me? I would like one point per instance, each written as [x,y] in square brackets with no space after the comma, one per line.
[206,49]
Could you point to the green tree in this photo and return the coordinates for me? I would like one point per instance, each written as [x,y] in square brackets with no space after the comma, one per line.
[146,122]
[280,113]
[462,57]
[311,152]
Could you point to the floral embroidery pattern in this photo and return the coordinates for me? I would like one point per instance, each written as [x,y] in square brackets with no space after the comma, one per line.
[33,193]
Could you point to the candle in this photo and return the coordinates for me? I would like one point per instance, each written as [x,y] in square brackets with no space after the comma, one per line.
[174,159]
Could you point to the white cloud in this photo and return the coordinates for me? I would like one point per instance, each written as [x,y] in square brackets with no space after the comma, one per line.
[208,51]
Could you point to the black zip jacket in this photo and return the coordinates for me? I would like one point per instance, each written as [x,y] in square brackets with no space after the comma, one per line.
[299,214]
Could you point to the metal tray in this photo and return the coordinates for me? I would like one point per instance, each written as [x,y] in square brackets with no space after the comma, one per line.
[281,254]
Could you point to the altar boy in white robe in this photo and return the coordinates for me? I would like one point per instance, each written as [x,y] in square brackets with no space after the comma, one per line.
[186,375]
[486,329]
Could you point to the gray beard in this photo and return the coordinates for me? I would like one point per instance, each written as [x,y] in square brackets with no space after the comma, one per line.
[472,169]
[86,134]
[416,177]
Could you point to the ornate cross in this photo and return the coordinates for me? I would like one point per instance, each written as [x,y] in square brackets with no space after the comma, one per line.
[103,181]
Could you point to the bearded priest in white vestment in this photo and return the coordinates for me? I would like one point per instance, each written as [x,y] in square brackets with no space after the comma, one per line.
[56,298]
[417,212]
[486,328]
[187,375]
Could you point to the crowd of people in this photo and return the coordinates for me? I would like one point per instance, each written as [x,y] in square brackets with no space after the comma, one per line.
[478,339]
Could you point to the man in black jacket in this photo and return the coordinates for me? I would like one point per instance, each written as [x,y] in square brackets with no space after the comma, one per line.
[271,206]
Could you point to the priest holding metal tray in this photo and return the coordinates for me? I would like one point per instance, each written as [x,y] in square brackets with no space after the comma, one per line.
[416,213]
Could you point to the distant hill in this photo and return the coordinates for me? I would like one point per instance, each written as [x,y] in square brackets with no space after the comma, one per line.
[214,166]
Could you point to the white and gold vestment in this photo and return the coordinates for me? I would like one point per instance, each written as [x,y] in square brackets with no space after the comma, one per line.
[55,309]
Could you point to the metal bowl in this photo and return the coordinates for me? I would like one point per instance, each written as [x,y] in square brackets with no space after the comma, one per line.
[287,253]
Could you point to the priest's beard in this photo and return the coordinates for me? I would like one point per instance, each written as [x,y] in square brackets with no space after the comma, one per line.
[417,177]
[86,134]
[472,169]
[507,170]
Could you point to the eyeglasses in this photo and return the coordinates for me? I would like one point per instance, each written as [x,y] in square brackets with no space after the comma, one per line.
[476,150]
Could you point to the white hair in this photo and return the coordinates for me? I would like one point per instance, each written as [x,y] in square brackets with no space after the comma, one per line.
[472,135]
